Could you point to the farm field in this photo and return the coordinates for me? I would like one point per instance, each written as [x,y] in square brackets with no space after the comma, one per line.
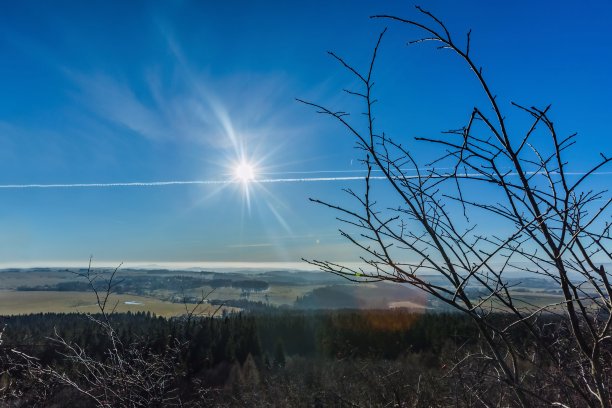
[165,292]
[162,292]
[18,302]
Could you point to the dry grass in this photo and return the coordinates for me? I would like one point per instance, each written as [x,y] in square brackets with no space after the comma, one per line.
[15,303]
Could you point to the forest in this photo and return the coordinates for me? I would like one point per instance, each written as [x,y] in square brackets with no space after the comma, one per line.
[271,358]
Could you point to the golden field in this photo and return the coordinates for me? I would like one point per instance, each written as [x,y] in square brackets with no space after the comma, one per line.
[17,302]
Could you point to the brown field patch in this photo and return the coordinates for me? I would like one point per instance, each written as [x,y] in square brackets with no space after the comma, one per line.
[23,302]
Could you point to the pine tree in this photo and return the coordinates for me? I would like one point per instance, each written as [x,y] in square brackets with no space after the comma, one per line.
[279,354]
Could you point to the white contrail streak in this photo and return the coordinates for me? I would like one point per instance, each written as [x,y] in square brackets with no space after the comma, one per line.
[122,184]
[237,181]
[181,182]
[352,171]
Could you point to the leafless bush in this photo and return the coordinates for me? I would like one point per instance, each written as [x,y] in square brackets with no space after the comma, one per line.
[551,225]
[129,374]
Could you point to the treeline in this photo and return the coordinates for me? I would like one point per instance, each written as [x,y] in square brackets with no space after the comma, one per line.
[371,334]
[248,285]
[271,358]
[146,284]
[211,340]
[125,284]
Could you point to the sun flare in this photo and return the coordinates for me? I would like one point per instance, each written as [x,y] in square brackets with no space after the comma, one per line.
[244,172]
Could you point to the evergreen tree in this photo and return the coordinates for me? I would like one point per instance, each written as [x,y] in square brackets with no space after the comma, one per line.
[279,354]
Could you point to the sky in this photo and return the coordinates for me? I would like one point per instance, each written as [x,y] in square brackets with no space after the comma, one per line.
[108,93]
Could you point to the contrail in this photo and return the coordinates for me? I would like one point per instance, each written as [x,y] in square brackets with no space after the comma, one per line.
[120,184]
[256,181]
[181,182]
[352,171]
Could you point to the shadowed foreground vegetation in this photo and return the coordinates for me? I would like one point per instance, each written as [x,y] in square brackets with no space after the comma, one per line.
[341,358]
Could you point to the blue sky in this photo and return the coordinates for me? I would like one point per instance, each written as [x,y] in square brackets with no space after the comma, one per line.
[105,92]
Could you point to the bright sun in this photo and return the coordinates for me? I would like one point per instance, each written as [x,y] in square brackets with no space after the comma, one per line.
[245,172]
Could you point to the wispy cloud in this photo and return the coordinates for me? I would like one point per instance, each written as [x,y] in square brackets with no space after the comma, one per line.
[117,103]
[189,107]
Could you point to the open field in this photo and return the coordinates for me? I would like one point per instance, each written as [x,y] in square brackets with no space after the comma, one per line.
[538,299]
[15,303]
[162,291]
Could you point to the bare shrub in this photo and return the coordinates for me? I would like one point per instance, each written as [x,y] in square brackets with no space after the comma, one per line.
[551,225]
